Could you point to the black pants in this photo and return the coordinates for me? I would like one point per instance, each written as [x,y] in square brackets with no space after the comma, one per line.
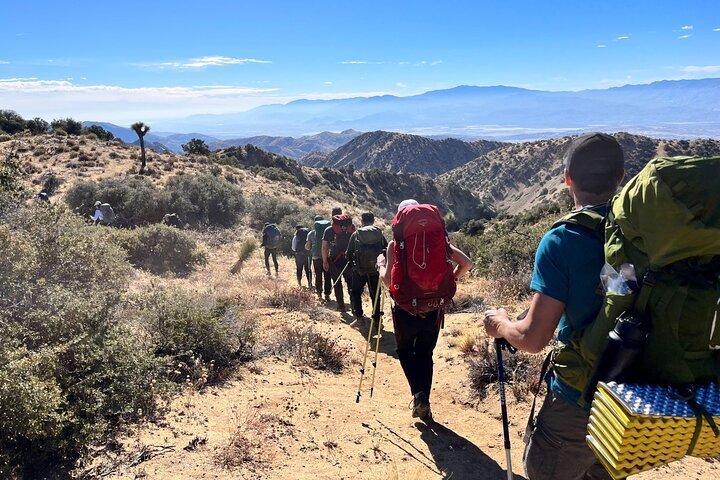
[416,338]
[302,262]
[273,252]
[321,276]
[357,285]
[336,268]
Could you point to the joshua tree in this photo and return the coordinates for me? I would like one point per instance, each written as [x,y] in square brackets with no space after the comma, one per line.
[141,129]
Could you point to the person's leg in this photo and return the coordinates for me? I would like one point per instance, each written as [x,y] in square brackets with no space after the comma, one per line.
[373,281]
[357,284]
[328,281]
[428,331]
[405,327]
[319,274]
[556,448]
[299,261]
[267,260]
[275,260]
[308,271]
[336,270]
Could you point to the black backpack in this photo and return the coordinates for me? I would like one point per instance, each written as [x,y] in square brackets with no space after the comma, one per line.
[301,236]
[370,243]
[272,236]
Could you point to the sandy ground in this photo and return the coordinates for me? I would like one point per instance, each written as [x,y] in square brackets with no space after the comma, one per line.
[278,420]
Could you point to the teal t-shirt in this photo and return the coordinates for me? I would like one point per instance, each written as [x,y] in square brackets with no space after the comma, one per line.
[567,268]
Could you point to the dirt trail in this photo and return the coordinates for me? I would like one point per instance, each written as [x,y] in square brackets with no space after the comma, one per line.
[276,420]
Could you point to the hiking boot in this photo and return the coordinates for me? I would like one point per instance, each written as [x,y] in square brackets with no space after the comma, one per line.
[341,307]
[327,297]
[421,407]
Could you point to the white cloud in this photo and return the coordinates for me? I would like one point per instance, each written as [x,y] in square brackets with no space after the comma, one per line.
[436,62]
[49,99]
[623,37]
[691,69]
[401,85]
[360,62]
[686,27]
[683,37]
[327,83]
[601,46]
[202,62]
[716,29]
[4,62]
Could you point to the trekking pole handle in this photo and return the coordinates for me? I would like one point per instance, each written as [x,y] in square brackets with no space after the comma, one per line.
[502,344]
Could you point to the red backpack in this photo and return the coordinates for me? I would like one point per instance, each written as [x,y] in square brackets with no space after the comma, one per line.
[422,278]
[343,227]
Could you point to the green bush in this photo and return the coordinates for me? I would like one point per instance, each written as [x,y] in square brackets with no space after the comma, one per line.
[69,369]
[203,200]
[160,249]
[135,200]
[68,125]
[197,333]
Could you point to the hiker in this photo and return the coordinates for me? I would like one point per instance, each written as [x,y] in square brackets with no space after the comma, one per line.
[323,279]
[172,220]
[363,249]
[104,214]
[302,259]
[565,280]
[334,245]
[271,239]
[420,287]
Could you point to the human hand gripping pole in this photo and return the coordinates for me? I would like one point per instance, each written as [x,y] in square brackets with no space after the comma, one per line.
[500,345]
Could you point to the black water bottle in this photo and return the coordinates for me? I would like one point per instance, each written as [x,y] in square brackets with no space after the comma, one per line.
[622,348]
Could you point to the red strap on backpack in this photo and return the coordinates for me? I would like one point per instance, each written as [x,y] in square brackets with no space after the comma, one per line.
[422,277]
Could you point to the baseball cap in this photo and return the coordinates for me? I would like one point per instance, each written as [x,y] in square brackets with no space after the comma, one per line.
[595,162]
[407,203]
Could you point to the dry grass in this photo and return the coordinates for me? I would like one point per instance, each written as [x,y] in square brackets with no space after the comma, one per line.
[310,347]
[522,370]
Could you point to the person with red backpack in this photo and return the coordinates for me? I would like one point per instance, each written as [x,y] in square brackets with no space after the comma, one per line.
[422,278]
[335,241]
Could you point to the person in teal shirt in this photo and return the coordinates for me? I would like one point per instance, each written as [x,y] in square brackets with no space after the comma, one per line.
[565,278]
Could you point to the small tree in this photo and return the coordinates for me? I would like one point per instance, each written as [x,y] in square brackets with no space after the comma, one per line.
[11,122]
[70,126]
[196,147]
[141,129]
[37,126]
[100,132]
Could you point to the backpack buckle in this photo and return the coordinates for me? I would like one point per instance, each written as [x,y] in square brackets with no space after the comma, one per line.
[650,278]
[414,302]
[402,245]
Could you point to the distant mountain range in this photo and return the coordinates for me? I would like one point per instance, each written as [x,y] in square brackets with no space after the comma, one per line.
[665,109]
[518,175]
[402,153]
[296,148]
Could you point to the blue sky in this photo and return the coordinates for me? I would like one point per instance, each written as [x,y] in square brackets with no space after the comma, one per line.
[119,61]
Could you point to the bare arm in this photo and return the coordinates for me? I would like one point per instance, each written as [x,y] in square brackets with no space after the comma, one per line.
[325,255]
[534,332]
[383,268]
[464,264]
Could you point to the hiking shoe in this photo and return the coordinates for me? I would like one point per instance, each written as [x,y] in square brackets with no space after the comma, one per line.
[341,307]
[421,407]
[327,297]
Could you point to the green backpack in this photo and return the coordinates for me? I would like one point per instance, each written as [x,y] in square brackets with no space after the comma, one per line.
[665,222]
[319,226]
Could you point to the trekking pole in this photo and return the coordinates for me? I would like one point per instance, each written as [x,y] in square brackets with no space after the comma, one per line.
[341,275]
[377,310]
[362,369]
[500,345]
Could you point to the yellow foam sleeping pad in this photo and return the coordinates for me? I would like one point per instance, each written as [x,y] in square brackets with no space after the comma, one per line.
[635,428]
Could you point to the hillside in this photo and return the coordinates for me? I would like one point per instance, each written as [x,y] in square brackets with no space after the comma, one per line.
[402,153]
[295,148]
[516,176]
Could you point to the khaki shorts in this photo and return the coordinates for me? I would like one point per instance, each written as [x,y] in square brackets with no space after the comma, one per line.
[556,448]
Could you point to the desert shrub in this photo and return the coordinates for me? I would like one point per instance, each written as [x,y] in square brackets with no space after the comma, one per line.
[289,298]
[285,213]
[11,122]
[247,248]
[276,174]
[205,200]
[70,370]
[37,126]
[99,132]
[310,347]
[160,249]
[51,184]
[194,331]
[68,125]
[135,200]
[522,370]
[195,146]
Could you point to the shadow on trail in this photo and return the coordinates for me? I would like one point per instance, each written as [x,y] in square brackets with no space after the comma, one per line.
[459,458]
[388,345]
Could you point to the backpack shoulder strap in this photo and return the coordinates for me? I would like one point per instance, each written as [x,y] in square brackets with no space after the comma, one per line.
[586,218]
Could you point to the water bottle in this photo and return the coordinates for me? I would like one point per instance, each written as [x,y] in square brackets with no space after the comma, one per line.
[622,347]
